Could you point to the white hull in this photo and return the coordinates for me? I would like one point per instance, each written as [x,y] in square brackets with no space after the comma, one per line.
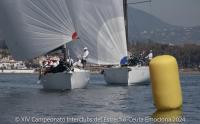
[65,80]
[18,71]
[127,75]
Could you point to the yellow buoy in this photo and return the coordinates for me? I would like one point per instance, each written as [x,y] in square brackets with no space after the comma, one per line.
[165,82]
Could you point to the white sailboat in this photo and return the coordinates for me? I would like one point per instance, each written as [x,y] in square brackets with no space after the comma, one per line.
[101,28]
[127,75]
[34,27]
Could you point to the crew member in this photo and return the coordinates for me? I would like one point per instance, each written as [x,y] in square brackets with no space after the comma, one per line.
[85,56]
[150,56]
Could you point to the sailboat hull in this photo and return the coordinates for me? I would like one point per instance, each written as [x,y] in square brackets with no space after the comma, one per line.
[127,75]
[66,80]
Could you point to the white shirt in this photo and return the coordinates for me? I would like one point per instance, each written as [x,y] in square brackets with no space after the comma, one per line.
[150,56]
[70,61]
[78,63]
[85,54]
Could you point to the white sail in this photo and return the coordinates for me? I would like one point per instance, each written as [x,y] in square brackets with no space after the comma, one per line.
[100,27]
[34,27]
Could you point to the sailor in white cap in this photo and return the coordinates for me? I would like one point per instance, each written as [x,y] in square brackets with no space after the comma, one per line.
[85,56]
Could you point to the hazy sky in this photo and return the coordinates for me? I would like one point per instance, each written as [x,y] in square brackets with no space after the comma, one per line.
[176,12]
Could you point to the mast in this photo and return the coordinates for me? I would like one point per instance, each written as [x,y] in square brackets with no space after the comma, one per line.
[125,4]
[64,50]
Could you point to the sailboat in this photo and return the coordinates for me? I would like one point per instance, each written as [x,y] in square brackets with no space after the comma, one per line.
[127,75]
[32,28]
[103,28]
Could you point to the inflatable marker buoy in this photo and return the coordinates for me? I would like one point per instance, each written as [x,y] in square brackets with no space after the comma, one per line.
[165,81]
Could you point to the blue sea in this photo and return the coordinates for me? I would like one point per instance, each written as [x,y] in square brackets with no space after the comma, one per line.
[23,101]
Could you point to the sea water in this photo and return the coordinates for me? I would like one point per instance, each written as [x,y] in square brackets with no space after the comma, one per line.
[22,100]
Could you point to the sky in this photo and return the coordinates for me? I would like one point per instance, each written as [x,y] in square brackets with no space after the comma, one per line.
[176,12]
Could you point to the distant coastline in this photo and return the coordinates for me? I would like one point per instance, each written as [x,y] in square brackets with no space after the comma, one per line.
[97,70]
[17,71]
[189,71]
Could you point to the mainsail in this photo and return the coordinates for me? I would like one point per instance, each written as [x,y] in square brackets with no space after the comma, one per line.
[100,26]
[34,27]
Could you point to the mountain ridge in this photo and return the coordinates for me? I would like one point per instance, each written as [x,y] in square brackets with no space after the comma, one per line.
[144,26]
